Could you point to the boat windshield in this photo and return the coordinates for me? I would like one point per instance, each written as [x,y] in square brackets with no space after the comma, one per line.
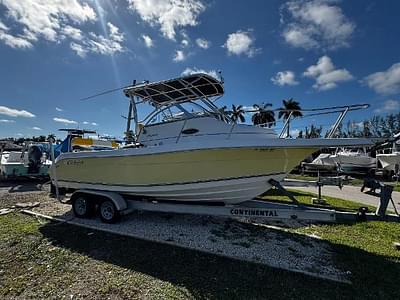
[179,111]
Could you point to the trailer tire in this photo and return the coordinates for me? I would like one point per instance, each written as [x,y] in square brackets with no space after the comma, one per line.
[108,212]
[83,206]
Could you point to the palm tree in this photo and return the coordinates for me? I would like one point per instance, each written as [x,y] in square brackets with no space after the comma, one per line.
[237,114]
[264,115]
[223,114]
[291,109]
[51,136]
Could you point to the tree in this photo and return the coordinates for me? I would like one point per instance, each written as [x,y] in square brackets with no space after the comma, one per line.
[314,132]
[223,114]
[51,136]
[264,115]
[129,137]
[291,109]
[237,114]
[366,130]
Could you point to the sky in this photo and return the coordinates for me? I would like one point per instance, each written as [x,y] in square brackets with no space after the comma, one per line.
[322,53]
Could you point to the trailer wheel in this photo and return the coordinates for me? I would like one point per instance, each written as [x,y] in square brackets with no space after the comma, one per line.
[83,206]
[108,212]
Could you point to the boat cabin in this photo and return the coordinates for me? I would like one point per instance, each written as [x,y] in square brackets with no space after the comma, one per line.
[185,111]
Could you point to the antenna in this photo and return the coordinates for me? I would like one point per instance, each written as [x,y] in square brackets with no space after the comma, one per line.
[107,92]
[220,76]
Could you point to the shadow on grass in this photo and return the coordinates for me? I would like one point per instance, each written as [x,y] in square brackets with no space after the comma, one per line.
[23,185]
[211,276]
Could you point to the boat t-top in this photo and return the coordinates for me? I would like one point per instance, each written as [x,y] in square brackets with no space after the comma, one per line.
[188,150]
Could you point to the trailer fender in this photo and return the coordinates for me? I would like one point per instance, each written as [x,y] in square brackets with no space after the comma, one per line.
[119,202]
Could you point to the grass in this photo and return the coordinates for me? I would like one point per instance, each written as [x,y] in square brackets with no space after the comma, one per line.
[302,177]
[378,259]
[305,198]
[58,260]
[396,186]
[353,181]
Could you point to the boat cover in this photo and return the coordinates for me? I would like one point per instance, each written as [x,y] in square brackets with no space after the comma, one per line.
[180,89]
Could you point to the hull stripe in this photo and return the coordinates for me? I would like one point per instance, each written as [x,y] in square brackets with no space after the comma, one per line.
[171,184]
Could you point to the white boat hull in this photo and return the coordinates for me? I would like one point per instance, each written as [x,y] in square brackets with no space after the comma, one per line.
[230,175]
[216,172]
[389,161]
[16,169]
[356,164]
[226,190]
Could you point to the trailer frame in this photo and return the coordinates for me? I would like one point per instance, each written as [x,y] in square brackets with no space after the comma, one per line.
[260,209]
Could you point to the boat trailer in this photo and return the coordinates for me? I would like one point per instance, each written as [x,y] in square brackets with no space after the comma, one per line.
[112,205]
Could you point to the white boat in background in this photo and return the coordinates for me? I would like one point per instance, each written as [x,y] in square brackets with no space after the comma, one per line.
[354,160]
[31,161]
[322,163]
[186,149]
[390,160]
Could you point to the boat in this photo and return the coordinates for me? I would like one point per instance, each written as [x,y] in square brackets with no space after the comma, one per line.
[354,160]
[389,160]
[76,141]
[188,150]
[322,163]
[32,161]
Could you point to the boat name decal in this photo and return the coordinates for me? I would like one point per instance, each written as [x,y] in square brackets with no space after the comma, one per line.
[74,162]
[253,212]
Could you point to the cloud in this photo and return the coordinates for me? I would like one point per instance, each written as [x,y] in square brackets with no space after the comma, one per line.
[115,34]
[59,109]
[99,44]
[184,43]
[284,78]
[179,56]
[45,19]
[385,82]
[241,42]
[168,14]
[294,133]
[11,112]
[36,128]
[72,32]
[57,21]
[6,121]
[148,41]
[316,24]
[356,125]
[65,121]
[90,123]
[325,75]
[389,106]
[11,40]
[190,71]
[203,43]
[79,49]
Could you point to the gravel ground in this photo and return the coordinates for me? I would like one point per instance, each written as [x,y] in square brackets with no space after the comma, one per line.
[238,239]
[12,193]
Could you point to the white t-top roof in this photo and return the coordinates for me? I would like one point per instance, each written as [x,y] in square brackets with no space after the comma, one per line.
[180,89]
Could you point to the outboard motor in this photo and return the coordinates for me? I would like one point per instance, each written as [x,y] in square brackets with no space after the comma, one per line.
[34,157]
